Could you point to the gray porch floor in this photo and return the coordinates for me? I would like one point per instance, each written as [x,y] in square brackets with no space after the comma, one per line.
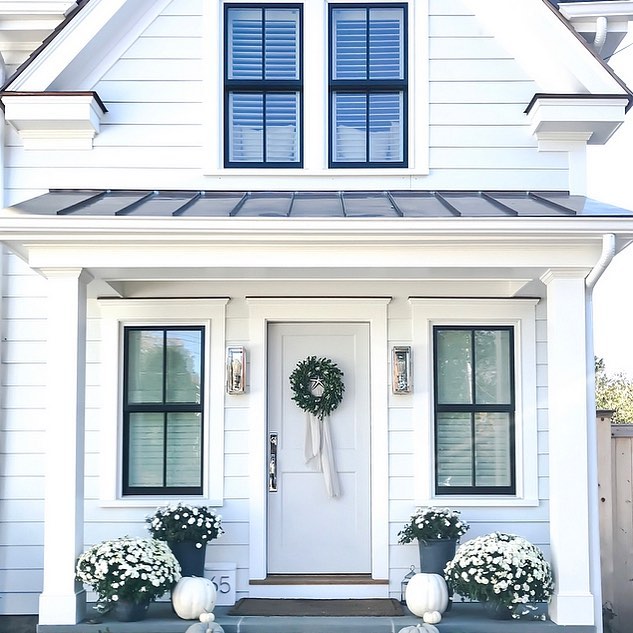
[463,618]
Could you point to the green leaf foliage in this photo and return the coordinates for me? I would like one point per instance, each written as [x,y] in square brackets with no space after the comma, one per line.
[614,392]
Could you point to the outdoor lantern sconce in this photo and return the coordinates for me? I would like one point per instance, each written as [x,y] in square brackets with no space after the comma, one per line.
[401,369]
[404,583]
[235,369]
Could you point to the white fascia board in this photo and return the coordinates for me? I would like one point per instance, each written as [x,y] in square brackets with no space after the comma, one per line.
[550,53]
[564,120]
[607,9]
[35,7]
[94,28]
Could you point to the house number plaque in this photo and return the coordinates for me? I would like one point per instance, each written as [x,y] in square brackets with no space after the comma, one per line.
[401,369]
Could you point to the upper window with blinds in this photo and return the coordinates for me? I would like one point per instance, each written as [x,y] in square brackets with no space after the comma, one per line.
[263,86]
[368,85]
[163,399]
[474,410]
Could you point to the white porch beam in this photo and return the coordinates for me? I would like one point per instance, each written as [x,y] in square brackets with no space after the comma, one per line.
[573,601]
[63,599]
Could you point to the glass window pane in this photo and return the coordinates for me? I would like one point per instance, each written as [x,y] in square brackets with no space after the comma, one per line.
[246,124]
[386,51]
[349,29]
[245,50]
[282,123]
[454,367]
[385,127]
[184,366]
[184,449]
[492,449]
[350,127]
[493,374]
[454,449]
[281,48]
[145,366]
[145,450]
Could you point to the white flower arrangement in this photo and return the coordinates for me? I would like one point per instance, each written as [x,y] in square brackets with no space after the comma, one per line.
[135,569]
[433,523]
[503,568]
[182,522]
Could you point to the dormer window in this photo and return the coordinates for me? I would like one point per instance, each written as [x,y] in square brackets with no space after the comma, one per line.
[368,85]
[263,86]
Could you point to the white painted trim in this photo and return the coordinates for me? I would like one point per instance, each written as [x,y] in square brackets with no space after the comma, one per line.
[519,313]
[116,313]
[367,310]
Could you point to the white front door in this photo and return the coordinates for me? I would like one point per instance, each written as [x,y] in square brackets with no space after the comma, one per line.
[310,532]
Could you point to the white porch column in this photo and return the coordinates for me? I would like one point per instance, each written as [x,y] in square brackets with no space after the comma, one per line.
[573,602]
[63,600]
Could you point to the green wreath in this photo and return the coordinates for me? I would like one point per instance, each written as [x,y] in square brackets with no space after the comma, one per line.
[315,371]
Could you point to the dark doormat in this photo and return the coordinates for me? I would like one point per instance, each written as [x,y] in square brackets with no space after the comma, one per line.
[387,607]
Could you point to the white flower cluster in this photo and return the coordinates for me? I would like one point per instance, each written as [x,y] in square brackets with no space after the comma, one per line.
[181,522]
[501,567]
[433,523]
[128,568]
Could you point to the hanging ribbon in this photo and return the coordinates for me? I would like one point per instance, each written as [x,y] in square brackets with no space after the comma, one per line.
[319,452]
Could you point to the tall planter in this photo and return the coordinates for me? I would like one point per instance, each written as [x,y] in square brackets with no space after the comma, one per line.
[435,553]
[190,557]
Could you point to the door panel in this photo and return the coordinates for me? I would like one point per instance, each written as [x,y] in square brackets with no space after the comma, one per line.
[308,531]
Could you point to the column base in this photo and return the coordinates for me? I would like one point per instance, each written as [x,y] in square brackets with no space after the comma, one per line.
[66,609]
[572,609]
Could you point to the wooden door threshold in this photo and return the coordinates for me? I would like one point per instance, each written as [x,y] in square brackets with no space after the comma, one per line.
[319,579]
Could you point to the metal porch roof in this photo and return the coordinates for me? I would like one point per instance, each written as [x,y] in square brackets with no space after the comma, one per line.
[327,204]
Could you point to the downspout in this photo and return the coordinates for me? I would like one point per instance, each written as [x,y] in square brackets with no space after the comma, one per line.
[601,33]
[606,256]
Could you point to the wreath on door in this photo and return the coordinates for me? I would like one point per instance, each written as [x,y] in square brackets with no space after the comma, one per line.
[317,386]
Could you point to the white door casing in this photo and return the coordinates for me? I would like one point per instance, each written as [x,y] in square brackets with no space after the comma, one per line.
[262,311]
[310,532]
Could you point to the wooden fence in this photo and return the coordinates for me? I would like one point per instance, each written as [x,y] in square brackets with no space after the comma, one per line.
[615,477]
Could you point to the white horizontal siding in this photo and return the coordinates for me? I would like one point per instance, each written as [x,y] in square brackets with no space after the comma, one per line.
[156,133]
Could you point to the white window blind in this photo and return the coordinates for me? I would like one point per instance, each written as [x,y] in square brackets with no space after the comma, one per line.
[263,77]
[367,85]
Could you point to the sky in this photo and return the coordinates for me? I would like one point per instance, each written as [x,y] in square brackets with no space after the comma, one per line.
[610,179]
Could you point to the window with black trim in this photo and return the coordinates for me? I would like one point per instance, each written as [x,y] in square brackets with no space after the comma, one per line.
[368,85]
[263,86]
[474,396]
[163,400]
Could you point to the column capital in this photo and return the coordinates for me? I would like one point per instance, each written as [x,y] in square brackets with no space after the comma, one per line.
[552,274]
[81,274]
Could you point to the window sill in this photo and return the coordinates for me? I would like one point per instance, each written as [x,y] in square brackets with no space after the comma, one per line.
[153,502]
[478,501]
[332,173]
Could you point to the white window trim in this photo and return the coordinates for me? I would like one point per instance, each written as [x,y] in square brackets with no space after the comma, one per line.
[315,99]
[519,313]
[115,315]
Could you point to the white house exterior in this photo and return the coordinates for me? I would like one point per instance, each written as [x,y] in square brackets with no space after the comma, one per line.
[435,202]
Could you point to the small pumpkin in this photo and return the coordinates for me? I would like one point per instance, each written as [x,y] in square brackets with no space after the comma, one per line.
[419,628]
[211,627]
[193,596]
[426,592]
[432,617]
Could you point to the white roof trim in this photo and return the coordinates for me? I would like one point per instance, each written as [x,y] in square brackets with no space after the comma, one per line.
[71,56]
[610,9]
[540,41]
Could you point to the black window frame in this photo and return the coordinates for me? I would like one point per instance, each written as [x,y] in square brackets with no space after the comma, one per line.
[473,409]
[164,408]
[369,87]
[263,87]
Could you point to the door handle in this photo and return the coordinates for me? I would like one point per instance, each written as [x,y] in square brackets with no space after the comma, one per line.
[272,462]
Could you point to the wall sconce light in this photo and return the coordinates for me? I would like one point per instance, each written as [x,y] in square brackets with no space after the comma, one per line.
[235,369]
[401,369]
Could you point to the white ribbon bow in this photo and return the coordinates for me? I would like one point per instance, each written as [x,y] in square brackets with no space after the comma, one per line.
[319,453]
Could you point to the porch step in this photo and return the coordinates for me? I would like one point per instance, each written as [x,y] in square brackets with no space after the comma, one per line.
[463,618]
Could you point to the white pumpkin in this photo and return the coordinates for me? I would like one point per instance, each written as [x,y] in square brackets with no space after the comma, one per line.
[211,627]
[432,617]
[426,592]
[419,628]
[193,596]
